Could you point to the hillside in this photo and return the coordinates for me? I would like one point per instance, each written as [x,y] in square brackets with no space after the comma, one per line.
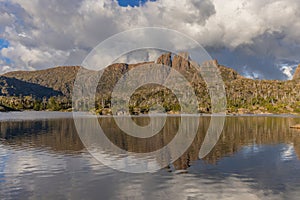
[60,79]
[16,87]
[243,95]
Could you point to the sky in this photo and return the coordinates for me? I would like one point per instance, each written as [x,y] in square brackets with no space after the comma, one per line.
[132,3]
[258,38]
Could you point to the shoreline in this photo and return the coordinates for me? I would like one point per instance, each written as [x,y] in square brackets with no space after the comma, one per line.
[42,115]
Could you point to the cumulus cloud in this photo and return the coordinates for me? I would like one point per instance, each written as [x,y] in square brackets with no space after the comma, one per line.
[258,34]
[288,70]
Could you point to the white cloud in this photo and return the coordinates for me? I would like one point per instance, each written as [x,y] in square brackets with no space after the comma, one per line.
[5,68]
[6,19]
[248,73]
[29,58]
[46,33]
[288,71]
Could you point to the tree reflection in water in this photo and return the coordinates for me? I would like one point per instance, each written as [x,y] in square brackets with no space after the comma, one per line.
[60,136]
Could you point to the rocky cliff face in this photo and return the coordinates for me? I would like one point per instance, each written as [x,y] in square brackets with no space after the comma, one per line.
[297,73]
[165,59]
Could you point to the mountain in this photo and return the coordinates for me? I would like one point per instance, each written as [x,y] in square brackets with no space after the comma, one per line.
[243,95]
[59,79]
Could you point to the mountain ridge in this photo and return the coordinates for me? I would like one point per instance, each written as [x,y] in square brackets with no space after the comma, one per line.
[244,95]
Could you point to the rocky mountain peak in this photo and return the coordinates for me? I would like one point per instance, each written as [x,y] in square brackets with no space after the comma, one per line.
[184,55]
[165,59]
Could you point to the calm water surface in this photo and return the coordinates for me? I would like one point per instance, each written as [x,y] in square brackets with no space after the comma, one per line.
[42,157]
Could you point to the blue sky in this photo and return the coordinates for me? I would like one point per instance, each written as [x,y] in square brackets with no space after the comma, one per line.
[3,43]
[132,3]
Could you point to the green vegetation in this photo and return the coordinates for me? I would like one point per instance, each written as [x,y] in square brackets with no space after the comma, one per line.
[31,103]
[141,102]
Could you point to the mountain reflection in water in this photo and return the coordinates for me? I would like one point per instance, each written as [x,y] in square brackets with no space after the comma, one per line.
[60,136]
[256,157]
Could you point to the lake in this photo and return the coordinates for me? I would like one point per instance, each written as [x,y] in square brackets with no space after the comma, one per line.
[43,157]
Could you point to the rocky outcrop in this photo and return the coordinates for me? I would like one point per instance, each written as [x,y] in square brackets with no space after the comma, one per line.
[165,59]
[181,62]
[297,73]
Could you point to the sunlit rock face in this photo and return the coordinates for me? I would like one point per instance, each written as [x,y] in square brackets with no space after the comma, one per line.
[297,73]
[165,59]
